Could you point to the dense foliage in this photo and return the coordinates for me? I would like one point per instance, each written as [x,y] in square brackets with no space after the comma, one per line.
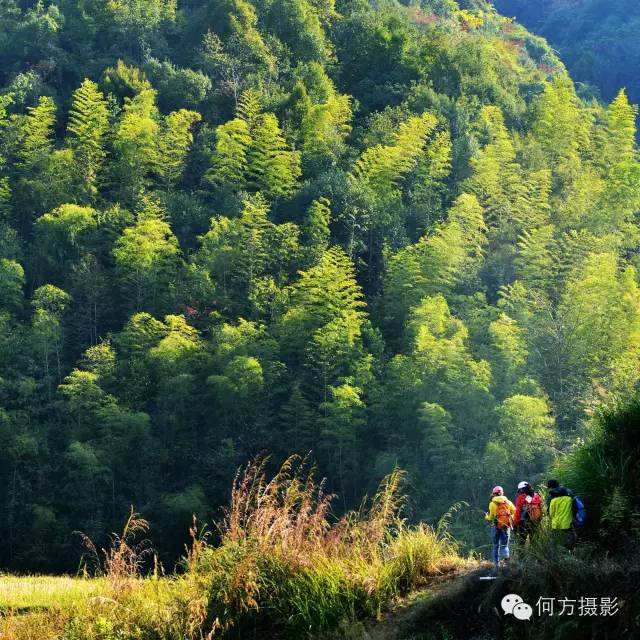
[597,39]
[606,468]
[381,234]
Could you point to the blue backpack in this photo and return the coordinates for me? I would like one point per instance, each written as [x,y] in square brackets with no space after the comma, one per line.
[579,513]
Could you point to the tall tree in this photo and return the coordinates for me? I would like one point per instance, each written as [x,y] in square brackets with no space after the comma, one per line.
[136,144]
[86,129]
[49,304]
[147,259]
[174,144]
[229,163]
[273,168]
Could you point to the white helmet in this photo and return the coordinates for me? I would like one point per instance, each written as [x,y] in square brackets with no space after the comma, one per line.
[522,485]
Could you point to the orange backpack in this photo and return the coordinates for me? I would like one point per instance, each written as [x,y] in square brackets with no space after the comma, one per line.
[503,515]
[533,511]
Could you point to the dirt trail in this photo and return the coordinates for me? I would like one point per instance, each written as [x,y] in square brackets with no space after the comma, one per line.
[461,606]
[435,606]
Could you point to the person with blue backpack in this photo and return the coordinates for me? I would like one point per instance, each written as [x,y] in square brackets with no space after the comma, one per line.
[567,512]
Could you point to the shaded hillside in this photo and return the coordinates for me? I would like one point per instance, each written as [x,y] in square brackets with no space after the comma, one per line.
[467,608]
[596,39]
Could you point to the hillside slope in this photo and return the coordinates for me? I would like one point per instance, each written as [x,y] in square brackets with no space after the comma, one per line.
[596,39]
[379,233]
[467,608]
[602,570]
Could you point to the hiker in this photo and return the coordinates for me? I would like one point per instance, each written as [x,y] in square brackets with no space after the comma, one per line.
[500,515]
[566,512]
[528,511]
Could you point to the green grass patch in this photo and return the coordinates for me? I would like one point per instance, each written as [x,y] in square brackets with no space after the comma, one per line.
[46,592]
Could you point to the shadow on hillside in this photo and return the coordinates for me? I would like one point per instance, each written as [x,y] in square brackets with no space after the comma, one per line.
[469,608]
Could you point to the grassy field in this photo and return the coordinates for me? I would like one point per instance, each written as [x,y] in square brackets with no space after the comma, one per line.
[57,607]
[41,606]
[281,569]
[76,608]
[28,593]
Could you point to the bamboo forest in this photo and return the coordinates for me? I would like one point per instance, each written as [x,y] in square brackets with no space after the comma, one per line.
[259,256]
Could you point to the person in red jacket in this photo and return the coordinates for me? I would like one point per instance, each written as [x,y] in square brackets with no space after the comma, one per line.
[528,511]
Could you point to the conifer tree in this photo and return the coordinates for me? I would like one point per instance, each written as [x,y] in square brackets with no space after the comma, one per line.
[273,169]
[620,130]
[328,290]
[315,229]
[526,427]
[496,177]
[428,182]
[255,226]
[37,133]
[321,114]
[560,130]
[298,424]
[469,216]
[5,189]
[247,257]
[147,259]
[49,305]
[136,144]
[41,177]
[249,109]
[61,234]
[451,253]
[620,196]
[11,285]
[343,415]
[383,166]
[438,445]
[535,259]
[511,353]
[321,330]
[601,311]
[448,374]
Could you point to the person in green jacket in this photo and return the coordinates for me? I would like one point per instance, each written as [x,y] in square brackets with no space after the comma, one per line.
[560,508]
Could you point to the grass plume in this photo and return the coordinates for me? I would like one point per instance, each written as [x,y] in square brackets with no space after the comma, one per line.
[284,567]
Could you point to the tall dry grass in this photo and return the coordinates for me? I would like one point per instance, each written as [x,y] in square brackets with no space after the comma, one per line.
[284,567]
[122,562]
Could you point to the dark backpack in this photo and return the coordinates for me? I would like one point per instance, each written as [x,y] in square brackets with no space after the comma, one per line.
[579,513]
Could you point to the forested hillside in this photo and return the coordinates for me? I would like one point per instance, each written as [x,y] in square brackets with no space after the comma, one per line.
[597,39]
[384,234]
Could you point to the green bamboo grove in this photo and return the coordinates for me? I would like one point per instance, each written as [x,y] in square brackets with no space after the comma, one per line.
[376,236]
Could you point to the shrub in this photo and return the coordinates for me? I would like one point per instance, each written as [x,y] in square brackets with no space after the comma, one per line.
[605,470]
[281,567]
